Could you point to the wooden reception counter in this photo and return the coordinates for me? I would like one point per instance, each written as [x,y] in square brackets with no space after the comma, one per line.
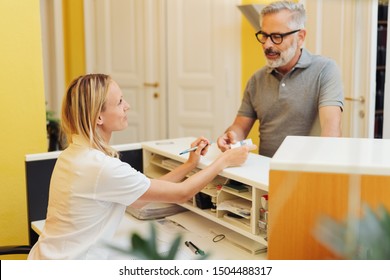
[315,176]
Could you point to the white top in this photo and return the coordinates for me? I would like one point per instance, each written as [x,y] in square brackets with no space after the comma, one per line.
[333,155]
[89,192]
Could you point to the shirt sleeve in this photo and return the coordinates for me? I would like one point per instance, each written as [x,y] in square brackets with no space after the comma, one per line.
[247,109]
[119,182]
[331,86]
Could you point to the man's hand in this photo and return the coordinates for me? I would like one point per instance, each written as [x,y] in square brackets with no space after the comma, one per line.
[224,141]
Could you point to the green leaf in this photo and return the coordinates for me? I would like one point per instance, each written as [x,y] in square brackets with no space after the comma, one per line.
[174,248]
[147,248]
[366,237]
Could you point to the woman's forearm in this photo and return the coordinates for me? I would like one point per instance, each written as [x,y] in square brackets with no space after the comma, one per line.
[179,173]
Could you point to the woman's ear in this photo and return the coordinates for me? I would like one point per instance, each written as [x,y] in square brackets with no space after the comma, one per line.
[100,120]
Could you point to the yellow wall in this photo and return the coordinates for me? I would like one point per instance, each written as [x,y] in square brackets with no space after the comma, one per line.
[252,58]
[73,14]
[22,111]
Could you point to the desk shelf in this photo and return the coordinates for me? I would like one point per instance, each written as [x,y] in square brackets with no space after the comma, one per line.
[160,160]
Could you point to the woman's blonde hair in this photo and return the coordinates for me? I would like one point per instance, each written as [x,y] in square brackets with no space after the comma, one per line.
[83,101]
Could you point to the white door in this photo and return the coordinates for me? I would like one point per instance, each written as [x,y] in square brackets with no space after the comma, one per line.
[122,40]
[346,31]
[177,62]
[203,46]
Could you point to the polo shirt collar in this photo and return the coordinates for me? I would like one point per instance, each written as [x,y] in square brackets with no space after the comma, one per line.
[305,59]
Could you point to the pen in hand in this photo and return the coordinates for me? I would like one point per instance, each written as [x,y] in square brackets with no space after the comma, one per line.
[192,149]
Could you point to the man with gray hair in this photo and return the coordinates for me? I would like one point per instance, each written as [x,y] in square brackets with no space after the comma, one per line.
[295,93]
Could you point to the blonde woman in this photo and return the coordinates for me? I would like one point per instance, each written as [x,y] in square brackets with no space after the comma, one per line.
[91,187]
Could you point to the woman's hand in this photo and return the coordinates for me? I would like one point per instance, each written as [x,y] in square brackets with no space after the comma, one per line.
[203,145]
[237,156]
[180,172]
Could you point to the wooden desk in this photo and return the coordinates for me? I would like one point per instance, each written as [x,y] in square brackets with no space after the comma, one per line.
[315,176]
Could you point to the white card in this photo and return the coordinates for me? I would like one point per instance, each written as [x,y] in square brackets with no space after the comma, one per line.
[241,143]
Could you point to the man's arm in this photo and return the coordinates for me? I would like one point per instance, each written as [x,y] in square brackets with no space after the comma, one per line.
[330,120]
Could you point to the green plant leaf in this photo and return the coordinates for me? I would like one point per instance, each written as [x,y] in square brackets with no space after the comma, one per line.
[174,248]
[366,237]
[147,248]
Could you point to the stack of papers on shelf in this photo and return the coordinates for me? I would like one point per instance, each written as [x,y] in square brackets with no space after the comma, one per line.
[236,186]
[237,206]
[170,163]
[238,220]
[155,210]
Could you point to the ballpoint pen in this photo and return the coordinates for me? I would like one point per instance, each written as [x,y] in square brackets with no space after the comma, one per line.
[194,248]
[192,149]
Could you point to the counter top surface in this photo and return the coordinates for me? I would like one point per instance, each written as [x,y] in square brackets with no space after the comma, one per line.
[255,171]
[333,155]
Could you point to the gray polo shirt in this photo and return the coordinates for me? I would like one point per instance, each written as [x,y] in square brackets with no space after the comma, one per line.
[288,104]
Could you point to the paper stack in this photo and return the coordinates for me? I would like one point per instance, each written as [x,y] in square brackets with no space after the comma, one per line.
[155,210]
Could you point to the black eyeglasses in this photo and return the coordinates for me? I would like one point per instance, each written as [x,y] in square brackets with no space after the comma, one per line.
[276,38]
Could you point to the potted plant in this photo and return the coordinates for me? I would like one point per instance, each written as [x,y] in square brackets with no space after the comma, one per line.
[54,136]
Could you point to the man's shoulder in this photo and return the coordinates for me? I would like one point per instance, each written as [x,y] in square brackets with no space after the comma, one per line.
[260,72]
[316,62]
[317,58]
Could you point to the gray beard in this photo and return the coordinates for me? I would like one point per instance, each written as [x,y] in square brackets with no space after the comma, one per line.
[285,57]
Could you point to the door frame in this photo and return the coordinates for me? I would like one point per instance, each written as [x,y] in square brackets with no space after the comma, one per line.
[386,104]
